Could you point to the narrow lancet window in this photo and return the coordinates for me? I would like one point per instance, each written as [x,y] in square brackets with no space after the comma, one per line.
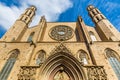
[82,55]
[30,38]
[92,36]
[114,61]
[9,64]
[40,57]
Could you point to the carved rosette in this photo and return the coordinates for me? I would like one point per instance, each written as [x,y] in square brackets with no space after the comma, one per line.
[61,33]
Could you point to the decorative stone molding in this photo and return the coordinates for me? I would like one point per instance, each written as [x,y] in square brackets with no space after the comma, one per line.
[96,73]
[61,33]
[60,48]
[93,73]
[27,73]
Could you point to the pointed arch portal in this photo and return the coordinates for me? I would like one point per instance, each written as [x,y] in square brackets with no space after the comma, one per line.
[61,66]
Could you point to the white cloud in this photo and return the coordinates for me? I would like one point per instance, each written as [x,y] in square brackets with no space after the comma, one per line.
[50,8]
[8,15]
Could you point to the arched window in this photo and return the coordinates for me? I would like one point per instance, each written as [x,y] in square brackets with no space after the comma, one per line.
[31,37]
[9,64]
[82,56]
[114,61]
[40,58]
[92,36]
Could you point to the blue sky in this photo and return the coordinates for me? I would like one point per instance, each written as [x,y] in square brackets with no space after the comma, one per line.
[57,10]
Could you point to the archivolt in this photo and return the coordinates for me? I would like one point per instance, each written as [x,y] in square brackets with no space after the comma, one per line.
[69,64]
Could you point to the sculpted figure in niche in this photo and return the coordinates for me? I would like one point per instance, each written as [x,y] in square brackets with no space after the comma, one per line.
[61,75]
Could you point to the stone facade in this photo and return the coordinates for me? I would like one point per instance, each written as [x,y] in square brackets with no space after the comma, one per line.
[40,57]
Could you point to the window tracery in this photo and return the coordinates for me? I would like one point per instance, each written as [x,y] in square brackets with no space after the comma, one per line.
[61,33]
[40,57]
[82,56]
[92,36]
[30,38]
[9,64]
[113,60]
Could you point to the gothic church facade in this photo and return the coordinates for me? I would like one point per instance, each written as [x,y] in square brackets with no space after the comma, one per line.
[60,50]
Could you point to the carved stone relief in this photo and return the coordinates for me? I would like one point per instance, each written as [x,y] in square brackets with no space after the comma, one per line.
[96,73]
[27,73]
[61,33]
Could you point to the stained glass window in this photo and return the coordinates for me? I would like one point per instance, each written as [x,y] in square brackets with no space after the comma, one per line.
[92,36]
[114,61]
[9,65]
[40,57]
[31,37]
[83,57]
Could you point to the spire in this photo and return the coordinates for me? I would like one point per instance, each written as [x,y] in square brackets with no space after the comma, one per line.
[28,15]
[42,19]
[95,14]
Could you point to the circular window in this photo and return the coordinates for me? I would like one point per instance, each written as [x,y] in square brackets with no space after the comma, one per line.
[61,33]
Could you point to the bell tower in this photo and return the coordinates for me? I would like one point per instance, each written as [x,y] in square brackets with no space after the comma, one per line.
[105,29]
[28,15]
[60,50]
[17,30]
